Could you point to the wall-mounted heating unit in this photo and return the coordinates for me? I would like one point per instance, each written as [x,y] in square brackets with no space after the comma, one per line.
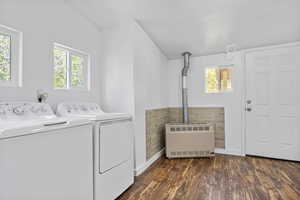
[189,139]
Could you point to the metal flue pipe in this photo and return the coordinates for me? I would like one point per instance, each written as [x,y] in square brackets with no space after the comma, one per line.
[184,73]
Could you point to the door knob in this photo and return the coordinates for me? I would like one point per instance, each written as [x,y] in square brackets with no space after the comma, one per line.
[248,106]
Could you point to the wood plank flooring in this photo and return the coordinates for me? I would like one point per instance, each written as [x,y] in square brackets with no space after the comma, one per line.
[219,178]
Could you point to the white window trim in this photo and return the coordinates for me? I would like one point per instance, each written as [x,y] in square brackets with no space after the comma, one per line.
[219,90]
[86,68]
[16,57]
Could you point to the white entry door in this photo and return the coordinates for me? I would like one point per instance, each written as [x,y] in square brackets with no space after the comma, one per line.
[273,103]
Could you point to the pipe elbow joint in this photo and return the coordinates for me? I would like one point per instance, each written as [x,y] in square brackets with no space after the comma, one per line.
[184,71]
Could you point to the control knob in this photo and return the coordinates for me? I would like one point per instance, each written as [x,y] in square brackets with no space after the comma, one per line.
[18,110]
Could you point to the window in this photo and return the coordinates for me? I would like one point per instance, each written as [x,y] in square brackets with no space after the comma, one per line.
[70,68]
[218,79]
[10,56]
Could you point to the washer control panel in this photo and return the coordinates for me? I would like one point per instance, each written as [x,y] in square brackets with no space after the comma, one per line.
[24,111]
[65,109]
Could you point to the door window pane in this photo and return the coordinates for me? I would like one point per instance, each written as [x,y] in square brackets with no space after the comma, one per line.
[5,57]
[225,78]
[77,78]
[60,68]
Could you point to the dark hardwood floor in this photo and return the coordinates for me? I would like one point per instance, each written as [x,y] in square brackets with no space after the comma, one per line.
[219,178]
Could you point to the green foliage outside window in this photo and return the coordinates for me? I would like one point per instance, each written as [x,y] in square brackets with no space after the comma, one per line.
[77,71]
[5,57]
[212,81]
[60,68]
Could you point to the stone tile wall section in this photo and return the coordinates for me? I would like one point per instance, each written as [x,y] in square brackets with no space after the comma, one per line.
[155,130]
[157,118]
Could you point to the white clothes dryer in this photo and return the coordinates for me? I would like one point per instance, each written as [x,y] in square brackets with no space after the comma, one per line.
[113,148]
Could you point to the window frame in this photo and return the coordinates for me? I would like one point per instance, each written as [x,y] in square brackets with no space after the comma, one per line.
[219,67]
[86,67]
[16,57]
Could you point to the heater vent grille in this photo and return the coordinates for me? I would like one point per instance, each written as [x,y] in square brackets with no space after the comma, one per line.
[190,129]
[190,140]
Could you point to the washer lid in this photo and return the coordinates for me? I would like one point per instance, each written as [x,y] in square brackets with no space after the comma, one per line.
[21,128]
[16,128]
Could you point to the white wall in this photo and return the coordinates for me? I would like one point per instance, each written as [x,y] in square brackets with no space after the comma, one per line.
[232,102]
[133,77]
[116,76]
[42,24]
[150,75]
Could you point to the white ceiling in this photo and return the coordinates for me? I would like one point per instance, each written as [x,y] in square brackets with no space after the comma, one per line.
[203,26]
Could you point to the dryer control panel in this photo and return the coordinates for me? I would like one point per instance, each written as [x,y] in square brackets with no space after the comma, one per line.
[65,109]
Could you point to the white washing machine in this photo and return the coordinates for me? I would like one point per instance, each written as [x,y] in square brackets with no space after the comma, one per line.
[43,157]
[113,150]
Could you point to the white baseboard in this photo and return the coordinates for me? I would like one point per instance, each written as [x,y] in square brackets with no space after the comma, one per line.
[235,152]
[220,151]
[140,169]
